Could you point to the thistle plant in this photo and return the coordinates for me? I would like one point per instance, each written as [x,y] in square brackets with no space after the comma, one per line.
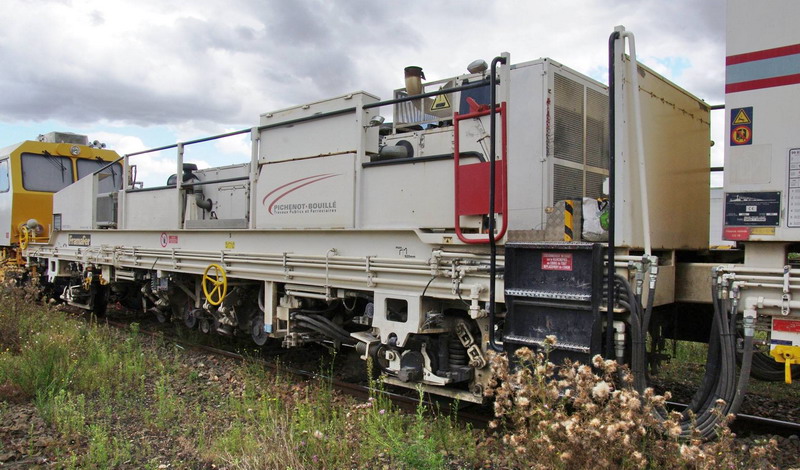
[580,416]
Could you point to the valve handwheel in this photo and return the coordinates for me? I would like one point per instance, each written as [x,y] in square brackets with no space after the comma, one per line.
[215,284]
[24,237]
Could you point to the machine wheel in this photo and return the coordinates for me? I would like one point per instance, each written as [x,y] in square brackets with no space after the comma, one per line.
[163,317]
[257,332]
[190,318]
[215,284]
[205,326]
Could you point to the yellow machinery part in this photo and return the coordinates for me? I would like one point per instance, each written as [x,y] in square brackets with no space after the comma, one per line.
[24,237]
[215,284]
[789,355]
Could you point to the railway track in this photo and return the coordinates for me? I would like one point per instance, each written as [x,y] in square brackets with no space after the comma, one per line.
[433,404]
[745,424]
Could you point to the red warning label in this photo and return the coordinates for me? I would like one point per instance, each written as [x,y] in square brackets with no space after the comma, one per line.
[736,233]
[556,261]
[792,326]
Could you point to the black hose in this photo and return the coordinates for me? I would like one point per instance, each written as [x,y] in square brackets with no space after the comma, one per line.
[318,329]
[314,324]
[319,319]
[719,380]
[744,374]
[709,380]
[637,351]
[323,331]
[330,324]
[706,421]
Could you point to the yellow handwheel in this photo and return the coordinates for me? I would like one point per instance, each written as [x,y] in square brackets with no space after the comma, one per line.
[24,237]
[215,284]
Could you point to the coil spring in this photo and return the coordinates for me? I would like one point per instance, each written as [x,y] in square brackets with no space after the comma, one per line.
[458,353]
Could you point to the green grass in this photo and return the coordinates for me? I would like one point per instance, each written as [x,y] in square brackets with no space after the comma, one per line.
[93,384]
[119,399]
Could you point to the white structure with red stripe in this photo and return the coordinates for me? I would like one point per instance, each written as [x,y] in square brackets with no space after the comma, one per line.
[762,158]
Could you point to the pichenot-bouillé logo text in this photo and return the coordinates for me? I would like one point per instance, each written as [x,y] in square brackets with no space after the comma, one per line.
[274,207]
[304,208]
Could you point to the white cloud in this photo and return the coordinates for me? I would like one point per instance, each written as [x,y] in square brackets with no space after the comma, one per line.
[148,62]
[205,67]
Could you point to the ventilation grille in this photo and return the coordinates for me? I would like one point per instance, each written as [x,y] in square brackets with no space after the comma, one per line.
[596,129]
[568,183]
[568,136]
[594,184]
[580,140]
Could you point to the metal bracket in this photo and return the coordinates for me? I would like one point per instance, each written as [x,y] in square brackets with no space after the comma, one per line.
[368,270]
[476,358]
[286,269]
[427,371]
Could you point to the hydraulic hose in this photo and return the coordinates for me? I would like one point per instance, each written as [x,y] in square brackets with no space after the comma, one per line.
[744,374]
[323,321]
[638,350]
[719,381]
[315,328]
[327,329]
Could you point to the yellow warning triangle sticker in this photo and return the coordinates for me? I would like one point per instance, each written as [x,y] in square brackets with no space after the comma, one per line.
[742,118]
[441,102]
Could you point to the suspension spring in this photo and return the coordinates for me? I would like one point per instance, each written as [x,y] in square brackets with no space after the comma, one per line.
[458,353]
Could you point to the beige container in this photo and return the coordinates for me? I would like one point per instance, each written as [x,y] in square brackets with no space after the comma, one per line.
[676,131]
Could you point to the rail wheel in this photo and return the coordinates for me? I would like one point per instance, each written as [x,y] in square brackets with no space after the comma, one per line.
[215,284]
[190,318]
[257,332]
[163,316]
[205,326]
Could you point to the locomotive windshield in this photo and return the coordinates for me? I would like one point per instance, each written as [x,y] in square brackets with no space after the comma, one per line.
[46,172]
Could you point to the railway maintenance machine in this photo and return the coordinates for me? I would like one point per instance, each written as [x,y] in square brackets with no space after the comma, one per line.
[479,219]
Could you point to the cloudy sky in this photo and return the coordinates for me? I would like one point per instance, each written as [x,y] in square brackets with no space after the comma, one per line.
[139,74]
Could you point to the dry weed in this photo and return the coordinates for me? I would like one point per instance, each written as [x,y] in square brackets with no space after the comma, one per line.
[578,416]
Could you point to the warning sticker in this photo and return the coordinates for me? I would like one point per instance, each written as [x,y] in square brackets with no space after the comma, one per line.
[440,102]
[741,129]
[741,135]
[792,326]
[556,261]
[736,233]
[741,117]
[167,239]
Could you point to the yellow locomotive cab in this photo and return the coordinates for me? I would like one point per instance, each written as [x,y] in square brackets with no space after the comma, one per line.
[31,172]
